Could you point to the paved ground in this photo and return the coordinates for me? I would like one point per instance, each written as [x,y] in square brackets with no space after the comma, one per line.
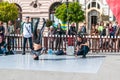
[102,68]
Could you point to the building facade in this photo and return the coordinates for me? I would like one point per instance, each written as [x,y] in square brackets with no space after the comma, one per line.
[95,10]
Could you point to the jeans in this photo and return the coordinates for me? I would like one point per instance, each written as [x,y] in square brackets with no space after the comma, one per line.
[3,50]
[37,52]
[25,41]
[83,51]
[12,43]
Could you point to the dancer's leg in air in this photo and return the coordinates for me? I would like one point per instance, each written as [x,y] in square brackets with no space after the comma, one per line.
[37,41]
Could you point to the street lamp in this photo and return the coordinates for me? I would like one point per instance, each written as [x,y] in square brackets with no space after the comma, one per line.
[67,3]
[85,10]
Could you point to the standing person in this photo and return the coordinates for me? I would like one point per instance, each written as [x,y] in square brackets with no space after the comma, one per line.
[111,33]
[118,41]
[50,33]
[27,30]
[82,47]
[2,29]
[83,29]
[94,32]
[115,27]
[58,32]
[11,30]
[101,28]
[72,31]
[101,31]
[37,40]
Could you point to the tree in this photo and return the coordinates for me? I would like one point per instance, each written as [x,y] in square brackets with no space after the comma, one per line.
[8,11]
[75,13]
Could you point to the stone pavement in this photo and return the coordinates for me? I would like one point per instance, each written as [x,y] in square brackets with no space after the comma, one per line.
[109,69]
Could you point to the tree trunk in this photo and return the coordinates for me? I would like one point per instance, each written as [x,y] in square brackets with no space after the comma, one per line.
[77,26]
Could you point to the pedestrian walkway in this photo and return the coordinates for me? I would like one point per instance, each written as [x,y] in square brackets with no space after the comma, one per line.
[94,67]
[52,63]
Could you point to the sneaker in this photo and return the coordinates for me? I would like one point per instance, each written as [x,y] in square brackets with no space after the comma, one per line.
[84,56]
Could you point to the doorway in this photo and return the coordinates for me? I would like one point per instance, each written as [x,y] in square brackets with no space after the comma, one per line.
[94,20]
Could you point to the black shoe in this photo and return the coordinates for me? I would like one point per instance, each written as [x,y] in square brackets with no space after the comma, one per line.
[84,56]
[23,53]
[36,58]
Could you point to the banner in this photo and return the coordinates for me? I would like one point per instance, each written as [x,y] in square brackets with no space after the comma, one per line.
[115,7]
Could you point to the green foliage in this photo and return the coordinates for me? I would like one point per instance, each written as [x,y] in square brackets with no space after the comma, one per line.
[8,11]
[75,12]
[48,23]
[61,12]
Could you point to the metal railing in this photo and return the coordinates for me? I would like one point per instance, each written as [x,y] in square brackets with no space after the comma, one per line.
[55,42]
[96,43]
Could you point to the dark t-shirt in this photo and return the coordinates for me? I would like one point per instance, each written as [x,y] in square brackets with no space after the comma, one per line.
[82,42]
[72,31]
[58,31]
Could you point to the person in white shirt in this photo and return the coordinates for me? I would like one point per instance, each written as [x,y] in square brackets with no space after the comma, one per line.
[27,33]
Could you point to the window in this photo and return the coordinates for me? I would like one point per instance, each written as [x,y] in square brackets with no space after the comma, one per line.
[93,4]
[98,6]
[89,6]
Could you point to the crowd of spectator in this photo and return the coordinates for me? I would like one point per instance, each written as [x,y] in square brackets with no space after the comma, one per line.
[99,29]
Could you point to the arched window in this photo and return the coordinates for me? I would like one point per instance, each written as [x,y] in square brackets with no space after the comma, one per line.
[52,10]
[98,6]
[94,4]
[89,6]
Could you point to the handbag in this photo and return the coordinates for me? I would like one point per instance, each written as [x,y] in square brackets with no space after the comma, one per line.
[70,50]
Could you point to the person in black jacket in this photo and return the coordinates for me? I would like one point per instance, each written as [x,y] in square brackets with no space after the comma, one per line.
[58,32]
[82,47]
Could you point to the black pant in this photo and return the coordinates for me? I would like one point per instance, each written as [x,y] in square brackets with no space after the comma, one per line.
[58,43]
[25,41]
[83,51]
